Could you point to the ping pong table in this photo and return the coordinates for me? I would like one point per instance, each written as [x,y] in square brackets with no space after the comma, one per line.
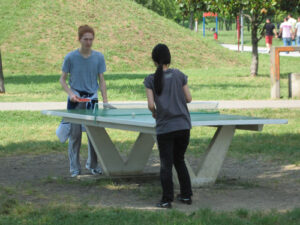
[140,120]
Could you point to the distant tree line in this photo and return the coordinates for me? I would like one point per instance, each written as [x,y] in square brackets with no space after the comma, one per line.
[254,11]
[186,11]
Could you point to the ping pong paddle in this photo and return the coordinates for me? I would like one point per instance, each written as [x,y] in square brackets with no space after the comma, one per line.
[84,100]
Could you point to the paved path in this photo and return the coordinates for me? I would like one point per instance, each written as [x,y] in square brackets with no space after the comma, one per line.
[261,50]
[228,104]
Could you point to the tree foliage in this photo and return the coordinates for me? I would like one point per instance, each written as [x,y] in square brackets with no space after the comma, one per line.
[190,8]
[166,8]
[289,6]
[234,7]
[255,10]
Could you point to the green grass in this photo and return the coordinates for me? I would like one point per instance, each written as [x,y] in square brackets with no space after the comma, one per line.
[126,33]
[25,132]
[211,83]
[230,36]
[24,215]
[43,32]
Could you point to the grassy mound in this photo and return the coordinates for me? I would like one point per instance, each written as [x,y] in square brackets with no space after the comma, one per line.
[36,35]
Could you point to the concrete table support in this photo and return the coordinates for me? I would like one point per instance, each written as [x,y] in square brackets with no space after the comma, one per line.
[110,158]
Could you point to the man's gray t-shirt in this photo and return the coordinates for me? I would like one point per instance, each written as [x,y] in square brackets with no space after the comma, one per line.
[84,71]
[171,109]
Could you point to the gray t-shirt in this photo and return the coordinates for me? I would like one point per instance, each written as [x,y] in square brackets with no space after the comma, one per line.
[171,107]
[84,71]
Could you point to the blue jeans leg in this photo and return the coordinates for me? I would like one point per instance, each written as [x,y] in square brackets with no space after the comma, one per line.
[74,148]
[92,161]
[287,41]
[298,40]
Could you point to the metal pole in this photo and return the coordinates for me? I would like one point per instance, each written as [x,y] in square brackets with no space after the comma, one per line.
[238,31]
[242,30]
[196,25]
[216,24]
[203,26]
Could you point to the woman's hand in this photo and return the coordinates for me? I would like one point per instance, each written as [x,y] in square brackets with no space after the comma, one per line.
[154,114]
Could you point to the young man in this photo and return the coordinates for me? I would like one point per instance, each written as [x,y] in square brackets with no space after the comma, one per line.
[293,22]
[85,67]
[270,31]
[297,32]
[286,32]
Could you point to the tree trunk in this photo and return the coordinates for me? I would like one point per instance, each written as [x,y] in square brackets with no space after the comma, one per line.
[191,20]
[2,88]
[254,40]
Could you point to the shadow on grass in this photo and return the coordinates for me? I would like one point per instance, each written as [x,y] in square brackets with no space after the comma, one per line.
[29,79]
[127,76]
[32,147]
[225,86]
[283,147]
[282,75]
[39,79]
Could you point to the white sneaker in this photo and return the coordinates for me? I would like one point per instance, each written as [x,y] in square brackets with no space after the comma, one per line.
[75,174]
[96,171]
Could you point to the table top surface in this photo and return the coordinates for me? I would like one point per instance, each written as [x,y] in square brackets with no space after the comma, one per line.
[143,117]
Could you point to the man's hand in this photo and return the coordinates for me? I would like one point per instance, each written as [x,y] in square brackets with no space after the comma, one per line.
[106,105]
[74,98]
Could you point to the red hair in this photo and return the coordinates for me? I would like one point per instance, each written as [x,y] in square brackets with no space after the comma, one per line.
[85,29]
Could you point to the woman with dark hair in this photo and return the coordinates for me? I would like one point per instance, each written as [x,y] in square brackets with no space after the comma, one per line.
[168,95]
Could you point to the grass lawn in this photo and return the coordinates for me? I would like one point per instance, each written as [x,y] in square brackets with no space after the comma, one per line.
[26,215]
[125,32]
[25,132]
[209,83]
[230,36]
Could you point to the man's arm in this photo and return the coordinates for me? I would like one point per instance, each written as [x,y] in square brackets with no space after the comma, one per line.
[103,88]
[275,32]
[63,82]
[280,31]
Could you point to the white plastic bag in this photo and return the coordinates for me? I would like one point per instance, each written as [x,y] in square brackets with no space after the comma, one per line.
[63,131]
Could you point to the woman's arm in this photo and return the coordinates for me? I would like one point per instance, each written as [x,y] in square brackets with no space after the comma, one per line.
[187,93]
[150,99]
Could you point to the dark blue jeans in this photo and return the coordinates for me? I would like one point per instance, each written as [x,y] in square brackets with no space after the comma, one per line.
[172,147]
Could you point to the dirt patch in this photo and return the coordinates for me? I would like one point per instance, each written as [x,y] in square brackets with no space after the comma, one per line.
[253,184]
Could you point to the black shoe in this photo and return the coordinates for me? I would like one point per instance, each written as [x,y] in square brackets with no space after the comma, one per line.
[163,204]
[187,201]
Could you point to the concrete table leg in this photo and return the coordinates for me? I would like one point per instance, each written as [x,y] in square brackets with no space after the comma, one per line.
[109,157]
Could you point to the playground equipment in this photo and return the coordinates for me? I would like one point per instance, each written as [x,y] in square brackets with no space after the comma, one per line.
[210,14]
[275,68]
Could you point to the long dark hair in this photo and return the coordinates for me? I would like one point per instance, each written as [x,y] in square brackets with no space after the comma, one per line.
[161,56]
